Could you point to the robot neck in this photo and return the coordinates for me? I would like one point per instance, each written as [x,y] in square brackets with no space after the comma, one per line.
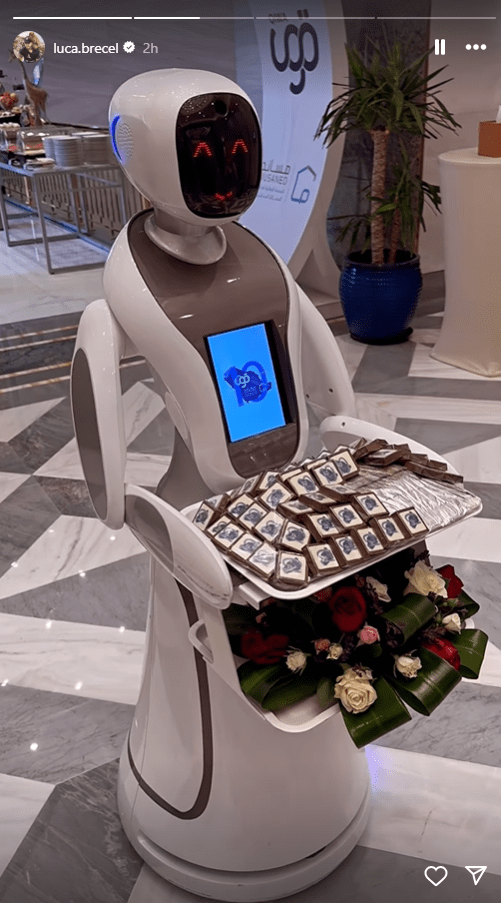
[194,244]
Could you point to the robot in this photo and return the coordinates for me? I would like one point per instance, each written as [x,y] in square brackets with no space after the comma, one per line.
[217,797]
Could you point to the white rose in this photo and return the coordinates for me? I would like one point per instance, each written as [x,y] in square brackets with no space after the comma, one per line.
[296,661]
[335,650]
[423,580]
[354,693]
[408,665]
[452,623]
[380,589]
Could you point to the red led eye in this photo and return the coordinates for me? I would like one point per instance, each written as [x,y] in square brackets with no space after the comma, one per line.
[202,146]
[240,143]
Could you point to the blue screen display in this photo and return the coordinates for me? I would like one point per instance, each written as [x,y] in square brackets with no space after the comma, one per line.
[247,381]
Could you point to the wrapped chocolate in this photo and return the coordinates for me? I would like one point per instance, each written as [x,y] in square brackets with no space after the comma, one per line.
[322,559]
[218,525]
[383,457]
[253,515]
[372,446]
[345,463]
[322,525]
[263,561]
[250,486]
[347,549]
[294,536]
[244,547]
[292,568]
[275,496]
[228,535]
[219,502]
[203,517]
[411,522]
[369,505]
[392,531]
[326,475]
[342,493]
[346,516]
[239,505]
[301,483]
[319,501]
[266,481]
[270,527]
[295,509]
[370,540]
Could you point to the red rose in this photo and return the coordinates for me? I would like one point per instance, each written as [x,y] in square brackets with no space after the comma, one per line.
[264,650]
[324,595]
[445,650]
[348,608]
[454,584]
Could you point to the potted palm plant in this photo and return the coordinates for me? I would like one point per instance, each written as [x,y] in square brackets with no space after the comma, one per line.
[381,282]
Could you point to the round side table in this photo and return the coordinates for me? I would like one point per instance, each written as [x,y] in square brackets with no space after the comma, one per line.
[470,337]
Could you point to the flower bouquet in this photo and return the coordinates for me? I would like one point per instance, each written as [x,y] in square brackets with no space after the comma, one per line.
[389,637]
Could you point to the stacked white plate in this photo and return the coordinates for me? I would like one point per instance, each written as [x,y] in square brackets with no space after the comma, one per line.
[96,147]
[48,144]
[67,150]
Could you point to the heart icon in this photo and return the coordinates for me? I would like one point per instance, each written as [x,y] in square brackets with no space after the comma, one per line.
[436,868]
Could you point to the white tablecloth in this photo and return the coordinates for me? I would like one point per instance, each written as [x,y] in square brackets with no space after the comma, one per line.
[470,337]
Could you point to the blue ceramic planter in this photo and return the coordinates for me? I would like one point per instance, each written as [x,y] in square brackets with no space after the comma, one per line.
[379,301]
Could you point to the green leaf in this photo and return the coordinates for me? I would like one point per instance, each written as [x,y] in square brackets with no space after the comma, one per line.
[287,692]
[465,601]
[256,680]
[384,715]
[431,685]
[470,644]
[325,692]
[411,615]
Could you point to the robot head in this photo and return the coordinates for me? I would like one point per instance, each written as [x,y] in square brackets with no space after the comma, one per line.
[190,142]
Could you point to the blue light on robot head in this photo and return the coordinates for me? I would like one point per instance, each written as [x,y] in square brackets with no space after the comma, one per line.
[113,127]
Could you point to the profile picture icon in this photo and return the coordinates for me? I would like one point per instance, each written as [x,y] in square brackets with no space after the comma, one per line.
[28,47]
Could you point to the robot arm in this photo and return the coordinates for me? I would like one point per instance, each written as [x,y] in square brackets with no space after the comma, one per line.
[98,416]
[326,382]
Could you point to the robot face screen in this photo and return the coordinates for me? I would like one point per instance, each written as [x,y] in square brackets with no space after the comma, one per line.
[219,154]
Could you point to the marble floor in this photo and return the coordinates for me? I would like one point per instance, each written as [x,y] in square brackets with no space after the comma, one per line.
[73,605]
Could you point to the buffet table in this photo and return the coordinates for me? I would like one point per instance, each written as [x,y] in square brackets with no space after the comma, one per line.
[470,337]
[79,181]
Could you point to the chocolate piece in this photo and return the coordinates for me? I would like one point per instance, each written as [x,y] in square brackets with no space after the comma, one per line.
[357,448]
[228,535]
[345,464]
[219,525]
[294,536]
[411,521]
[370,540]
[319,501]
[275,496]
[383,457]
[437,465]
[203,517]
[391,529]
[266,481]
[301,483]
[219,503]
[327,475]
[250,486]
[292,568]
[253,515]
[404,450]
[372,446]
[342,493]
[295,509]
[346,516]
[368,504]
[322,559]
[322,525]
[449,477]
[244,547]
[236,508]
[264,561]
[270,527]
[347,548]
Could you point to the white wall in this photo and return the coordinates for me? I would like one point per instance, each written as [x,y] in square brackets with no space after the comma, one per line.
[474,95]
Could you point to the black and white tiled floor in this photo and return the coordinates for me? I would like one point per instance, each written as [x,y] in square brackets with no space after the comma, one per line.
[73,599]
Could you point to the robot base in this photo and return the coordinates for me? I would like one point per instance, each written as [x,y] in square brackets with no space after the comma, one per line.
[236,887]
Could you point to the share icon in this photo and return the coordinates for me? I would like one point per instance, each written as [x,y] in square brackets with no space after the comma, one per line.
[476,872]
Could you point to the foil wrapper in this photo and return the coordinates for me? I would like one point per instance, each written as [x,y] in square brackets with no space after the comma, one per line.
[439,504]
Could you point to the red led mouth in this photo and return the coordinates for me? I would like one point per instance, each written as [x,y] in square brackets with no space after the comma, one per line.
[222,197]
